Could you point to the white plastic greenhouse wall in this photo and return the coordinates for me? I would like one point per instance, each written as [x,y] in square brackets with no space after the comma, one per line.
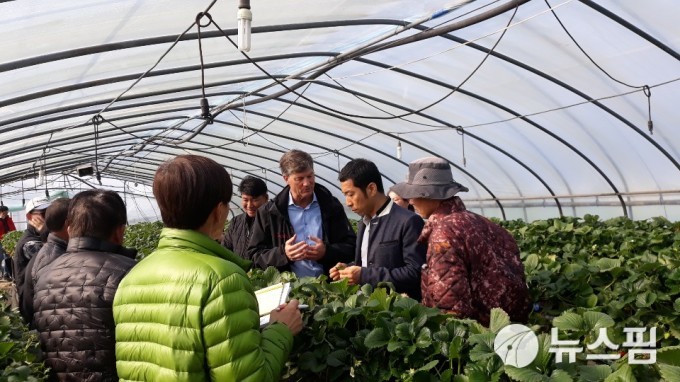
[543,108]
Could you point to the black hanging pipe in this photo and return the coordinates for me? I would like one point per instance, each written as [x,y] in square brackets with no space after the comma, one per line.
[632,28]
[95,121]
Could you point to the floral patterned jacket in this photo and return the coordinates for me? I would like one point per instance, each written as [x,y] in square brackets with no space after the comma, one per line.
[472,266]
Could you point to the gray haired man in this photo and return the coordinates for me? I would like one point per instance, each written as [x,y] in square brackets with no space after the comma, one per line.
[304,229]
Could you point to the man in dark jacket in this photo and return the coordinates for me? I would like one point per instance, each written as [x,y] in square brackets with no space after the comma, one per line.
[74,295]
[29,244]
[305,228]
[55,246]
[253,196]
[387,244]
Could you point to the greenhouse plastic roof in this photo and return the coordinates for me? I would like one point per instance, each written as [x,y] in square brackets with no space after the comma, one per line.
[543,108]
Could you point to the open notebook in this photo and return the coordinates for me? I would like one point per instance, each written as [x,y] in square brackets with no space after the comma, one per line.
[270,298]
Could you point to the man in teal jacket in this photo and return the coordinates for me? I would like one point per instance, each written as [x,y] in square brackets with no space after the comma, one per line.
[187,312]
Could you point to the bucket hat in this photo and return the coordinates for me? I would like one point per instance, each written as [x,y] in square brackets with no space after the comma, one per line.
[429,178]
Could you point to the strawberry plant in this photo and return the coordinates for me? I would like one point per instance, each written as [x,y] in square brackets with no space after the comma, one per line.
[584,275]
[19,348]
[9,241]
[366,334]
[143,237]
[627,269]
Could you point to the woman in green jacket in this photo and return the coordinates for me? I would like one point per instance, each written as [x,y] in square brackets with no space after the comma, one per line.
[187,312]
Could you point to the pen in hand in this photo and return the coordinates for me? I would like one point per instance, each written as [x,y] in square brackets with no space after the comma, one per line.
[300,307]
[289,315]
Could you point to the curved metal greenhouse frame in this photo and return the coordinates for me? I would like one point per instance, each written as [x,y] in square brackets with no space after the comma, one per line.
[543,108]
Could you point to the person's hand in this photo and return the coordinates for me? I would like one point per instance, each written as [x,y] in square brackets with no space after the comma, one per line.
[288,315]
[317,251]
[295,251]
[335,271]
[38,221]
[352,273]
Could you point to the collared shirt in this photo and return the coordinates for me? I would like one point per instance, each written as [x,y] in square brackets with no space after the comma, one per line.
[382,211]
[306,222]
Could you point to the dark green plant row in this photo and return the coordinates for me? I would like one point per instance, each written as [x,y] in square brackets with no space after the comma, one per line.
[366,334]
[584,275]
[9,241]
[629,270]
[141,236]
[19,348]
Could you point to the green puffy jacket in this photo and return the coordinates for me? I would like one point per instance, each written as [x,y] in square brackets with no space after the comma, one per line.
[187,312]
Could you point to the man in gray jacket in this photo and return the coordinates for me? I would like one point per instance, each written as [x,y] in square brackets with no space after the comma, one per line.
[387,236]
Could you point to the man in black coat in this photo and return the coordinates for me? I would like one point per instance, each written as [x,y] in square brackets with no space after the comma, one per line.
[253,196]
[29,244]
[304,229]
[74,295]
[55,246]
[387,247]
